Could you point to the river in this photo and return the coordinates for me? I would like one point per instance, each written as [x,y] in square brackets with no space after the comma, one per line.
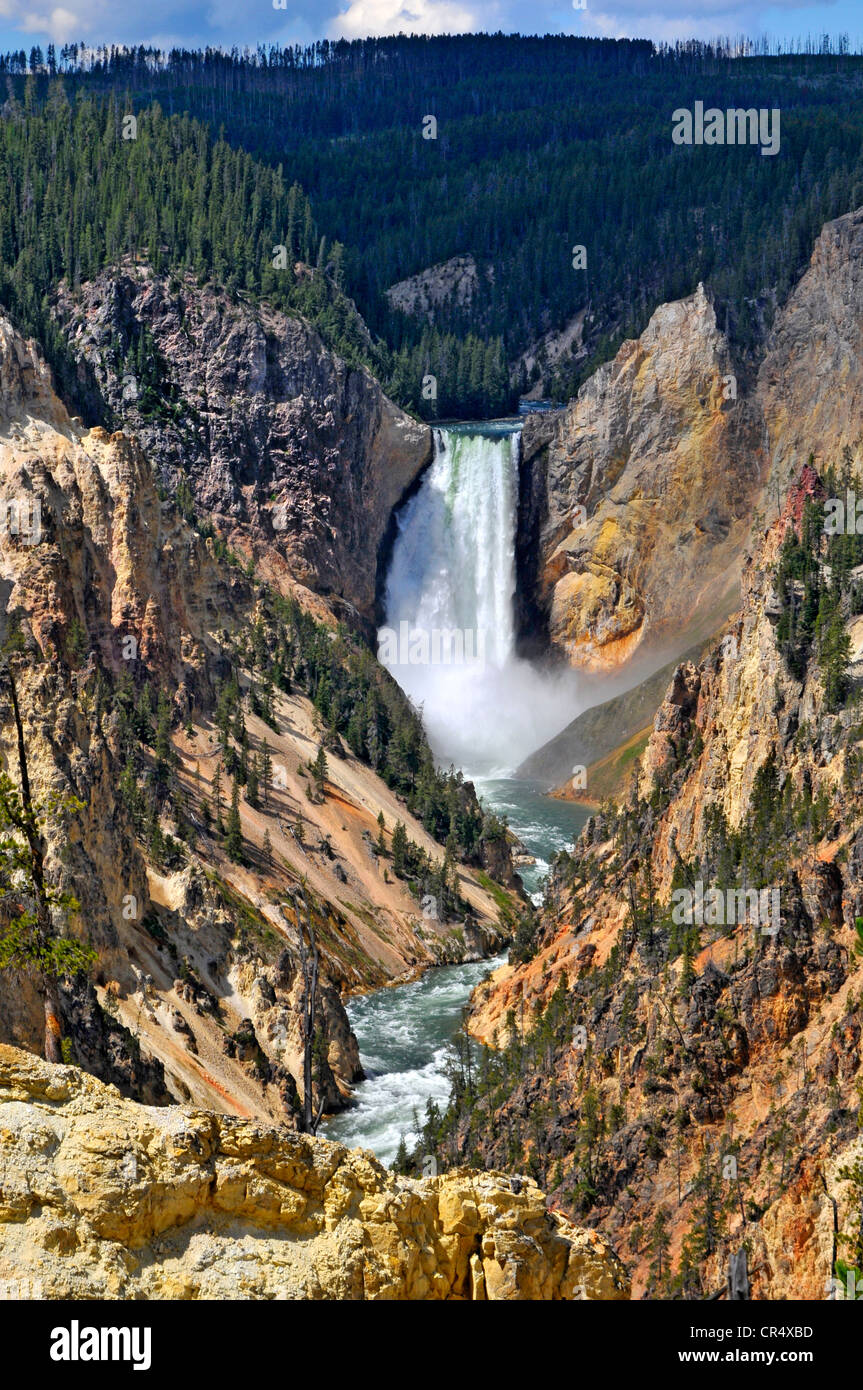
[544,825]
[453,570]
[404,1034]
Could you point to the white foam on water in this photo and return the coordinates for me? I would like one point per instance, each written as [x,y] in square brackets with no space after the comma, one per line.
[404,1035]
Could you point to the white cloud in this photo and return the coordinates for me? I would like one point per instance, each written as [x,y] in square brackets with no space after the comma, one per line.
[103,21]
[687,12]
[59,24]
[367,18]
[79,19]
[628,22]
[703,19]
[62,24]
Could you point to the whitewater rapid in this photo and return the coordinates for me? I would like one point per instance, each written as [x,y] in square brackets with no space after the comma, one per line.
[404,1034]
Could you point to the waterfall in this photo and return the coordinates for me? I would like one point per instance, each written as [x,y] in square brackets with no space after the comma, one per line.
[449,635]
[453,566]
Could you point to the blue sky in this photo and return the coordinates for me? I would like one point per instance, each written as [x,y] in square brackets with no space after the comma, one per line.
[225,22]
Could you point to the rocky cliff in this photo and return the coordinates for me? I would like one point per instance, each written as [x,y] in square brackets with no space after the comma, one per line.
[642,490]
[810,383]
[453,282]
[650,475]
[296,457]
[101,1198]
[699,1079]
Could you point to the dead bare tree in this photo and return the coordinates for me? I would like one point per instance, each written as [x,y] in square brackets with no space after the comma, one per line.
[738,1276]
[309,965]
[28,939]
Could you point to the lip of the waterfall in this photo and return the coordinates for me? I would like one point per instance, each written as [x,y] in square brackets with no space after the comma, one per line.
[485,429]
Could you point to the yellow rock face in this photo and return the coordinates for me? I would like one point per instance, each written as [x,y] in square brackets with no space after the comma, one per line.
[104,1198]
[655,470]
[651,474]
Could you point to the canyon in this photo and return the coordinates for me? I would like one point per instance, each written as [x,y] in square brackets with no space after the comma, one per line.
[229,469]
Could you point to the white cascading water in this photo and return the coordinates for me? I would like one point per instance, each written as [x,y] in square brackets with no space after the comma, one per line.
[449,638]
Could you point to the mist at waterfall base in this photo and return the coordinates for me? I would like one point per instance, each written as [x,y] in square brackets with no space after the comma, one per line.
[453,571]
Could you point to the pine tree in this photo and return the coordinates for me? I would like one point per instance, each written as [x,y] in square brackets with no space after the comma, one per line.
[143,715]
[233,831]
[162,746]
[834,659]
[267,701]
[687,969]
[660,1240]
[252,783]
[129,791]
[401,1162]
[266,773]
[157,842]
[319,770]
[238,728]
[216,794]
[708,1215]
[399,849]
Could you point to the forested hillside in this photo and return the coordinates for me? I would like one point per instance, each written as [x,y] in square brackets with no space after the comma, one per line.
[541,145]
[82,196]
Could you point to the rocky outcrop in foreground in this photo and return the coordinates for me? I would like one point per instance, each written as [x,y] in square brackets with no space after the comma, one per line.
[104,1198]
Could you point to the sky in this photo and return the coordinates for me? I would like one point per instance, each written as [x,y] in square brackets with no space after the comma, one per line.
[193,23]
